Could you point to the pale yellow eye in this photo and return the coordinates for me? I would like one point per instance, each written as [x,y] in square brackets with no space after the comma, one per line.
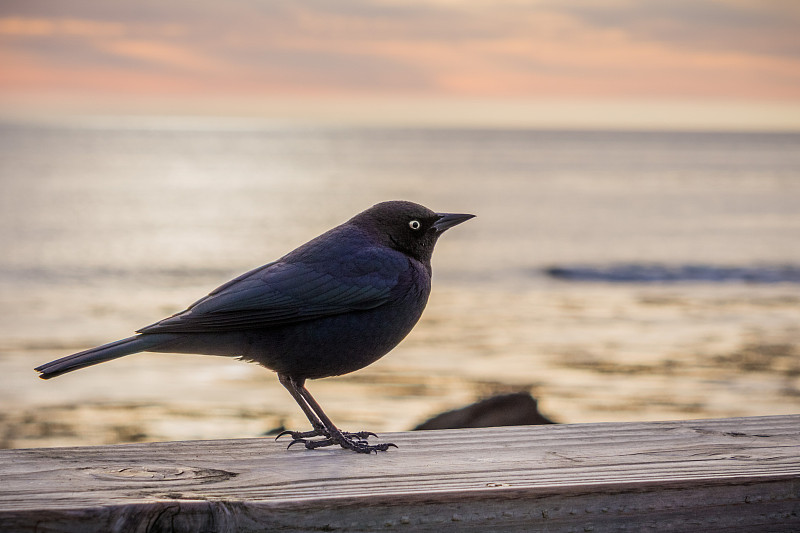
[415,225]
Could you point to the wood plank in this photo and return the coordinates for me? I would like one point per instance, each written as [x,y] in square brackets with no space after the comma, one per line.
[737,474]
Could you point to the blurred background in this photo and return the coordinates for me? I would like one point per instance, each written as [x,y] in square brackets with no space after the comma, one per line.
[635,169]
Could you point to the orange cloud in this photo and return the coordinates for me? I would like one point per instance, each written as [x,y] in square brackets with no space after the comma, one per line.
[161,53]
[30,27]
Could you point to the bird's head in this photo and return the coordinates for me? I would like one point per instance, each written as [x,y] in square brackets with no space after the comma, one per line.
[408,227]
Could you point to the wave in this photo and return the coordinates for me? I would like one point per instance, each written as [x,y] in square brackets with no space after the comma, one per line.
[654,273]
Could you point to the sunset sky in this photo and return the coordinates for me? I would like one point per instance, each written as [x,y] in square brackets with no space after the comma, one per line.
[603,63]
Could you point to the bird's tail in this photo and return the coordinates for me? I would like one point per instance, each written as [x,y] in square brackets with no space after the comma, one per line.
[101,354]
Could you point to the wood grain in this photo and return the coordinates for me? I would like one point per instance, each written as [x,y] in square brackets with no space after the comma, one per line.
[737,474]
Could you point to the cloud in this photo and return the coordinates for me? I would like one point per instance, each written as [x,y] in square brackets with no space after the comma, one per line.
[745,26]
[743,49]
[38,27]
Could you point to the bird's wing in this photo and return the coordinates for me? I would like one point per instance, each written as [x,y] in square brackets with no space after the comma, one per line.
[287,292]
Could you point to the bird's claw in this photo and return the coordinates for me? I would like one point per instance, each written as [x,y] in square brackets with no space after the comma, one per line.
[356,442]
[300,435]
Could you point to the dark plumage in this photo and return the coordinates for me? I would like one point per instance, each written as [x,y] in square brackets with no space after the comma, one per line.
[334,305]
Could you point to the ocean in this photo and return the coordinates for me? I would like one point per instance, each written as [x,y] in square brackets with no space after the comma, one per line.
[614,275]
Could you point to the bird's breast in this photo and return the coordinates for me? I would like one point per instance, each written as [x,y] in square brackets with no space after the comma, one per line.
[345,342]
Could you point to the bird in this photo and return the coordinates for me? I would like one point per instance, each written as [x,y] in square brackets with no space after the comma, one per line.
[330,307]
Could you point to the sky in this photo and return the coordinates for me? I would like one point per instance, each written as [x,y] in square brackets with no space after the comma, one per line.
[730,64]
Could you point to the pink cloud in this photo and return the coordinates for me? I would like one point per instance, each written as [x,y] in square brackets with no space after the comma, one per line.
[360,47]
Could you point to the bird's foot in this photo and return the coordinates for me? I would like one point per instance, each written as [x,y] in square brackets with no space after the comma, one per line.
[356,442]
[350,441]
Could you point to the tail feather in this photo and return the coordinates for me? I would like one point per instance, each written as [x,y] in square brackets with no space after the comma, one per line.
[101,354]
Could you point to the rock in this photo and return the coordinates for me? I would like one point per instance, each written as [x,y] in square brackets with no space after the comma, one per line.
[517,409]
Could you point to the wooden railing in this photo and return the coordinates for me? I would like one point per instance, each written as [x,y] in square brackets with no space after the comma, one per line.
[736,474]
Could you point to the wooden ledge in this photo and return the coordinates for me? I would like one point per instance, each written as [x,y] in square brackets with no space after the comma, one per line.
[736,474]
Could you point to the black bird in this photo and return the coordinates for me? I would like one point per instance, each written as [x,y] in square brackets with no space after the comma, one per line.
[332,306]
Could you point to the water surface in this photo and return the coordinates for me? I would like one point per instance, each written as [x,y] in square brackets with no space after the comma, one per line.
[107,229]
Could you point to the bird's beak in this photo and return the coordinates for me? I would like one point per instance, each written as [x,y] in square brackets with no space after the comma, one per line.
[448,220]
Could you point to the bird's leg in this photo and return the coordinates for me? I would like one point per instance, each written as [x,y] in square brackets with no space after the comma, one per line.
[319,428]
[323,426]
[352,441]
[294,386]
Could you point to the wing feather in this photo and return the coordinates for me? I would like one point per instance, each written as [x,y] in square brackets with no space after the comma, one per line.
[283,293]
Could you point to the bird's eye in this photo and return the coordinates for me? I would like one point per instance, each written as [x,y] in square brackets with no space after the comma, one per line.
[414,224]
